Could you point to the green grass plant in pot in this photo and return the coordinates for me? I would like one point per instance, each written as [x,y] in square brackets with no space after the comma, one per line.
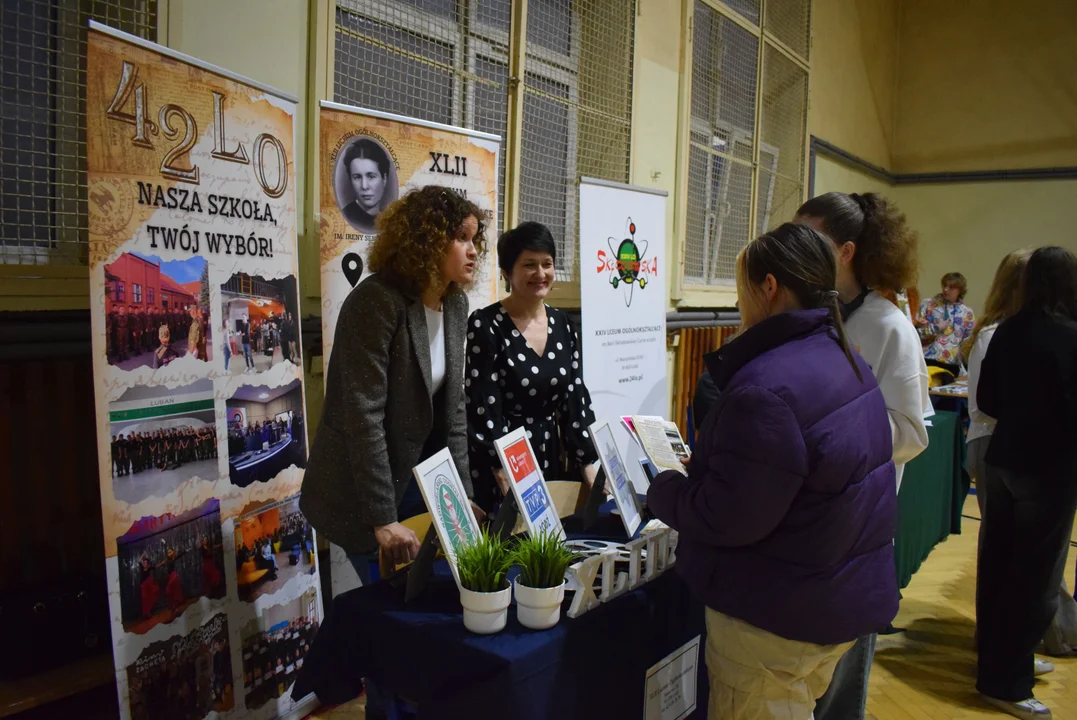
[485,593]
[540,587]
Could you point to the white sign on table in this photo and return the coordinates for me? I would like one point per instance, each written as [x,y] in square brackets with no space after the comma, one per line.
[528,486]
[447,501]
[670,690]
[617,480]
[623,305]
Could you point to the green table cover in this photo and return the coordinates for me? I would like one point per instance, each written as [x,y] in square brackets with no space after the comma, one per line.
[932,495]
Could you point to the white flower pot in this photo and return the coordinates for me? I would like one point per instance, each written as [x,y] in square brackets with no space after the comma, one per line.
[539,608]
[485,613]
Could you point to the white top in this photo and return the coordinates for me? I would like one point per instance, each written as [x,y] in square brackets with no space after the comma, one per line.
[980,425]
[889,343]
[435,328]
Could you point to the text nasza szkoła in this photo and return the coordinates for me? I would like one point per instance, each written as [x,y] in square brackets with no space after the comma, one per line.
[187,240]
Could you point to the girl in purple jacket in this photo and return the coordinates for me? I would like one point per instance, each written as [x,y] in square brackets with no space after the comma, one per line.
[787,514]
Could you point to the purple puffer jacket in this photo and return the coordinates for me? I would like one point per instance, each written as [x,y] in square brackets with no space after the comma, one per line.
[787,516]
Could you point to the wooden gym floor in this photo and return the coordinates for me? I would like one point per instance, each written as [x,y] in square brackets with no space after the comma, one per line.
[929,671]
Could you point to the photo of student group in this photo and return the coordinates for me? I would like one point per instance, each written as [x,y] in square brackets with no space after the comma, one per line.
[160,438]
[273,545]
[167,563]
[266,432]
[274,647]
[184,678]
[158,311]
[261,323]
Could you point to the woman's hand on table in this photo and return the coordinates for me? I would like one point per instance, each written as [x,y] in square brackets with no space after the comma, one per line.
[397,542]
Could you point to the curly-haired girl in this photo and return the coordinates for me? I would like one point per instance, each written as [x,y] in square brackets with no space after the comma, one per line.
[876,252]
[395,389]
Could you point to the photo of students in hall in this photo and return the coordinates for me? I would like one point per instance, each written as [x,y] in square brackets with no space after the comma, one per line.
[261,323]
[153,448]
[157,311]
[274,648]
[184,678]
[166,563]
[273,545]
[265,432]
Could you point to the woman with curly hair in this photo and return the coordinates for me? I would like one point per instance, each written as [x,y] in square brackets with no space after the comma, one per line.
[876,252]
[395,389]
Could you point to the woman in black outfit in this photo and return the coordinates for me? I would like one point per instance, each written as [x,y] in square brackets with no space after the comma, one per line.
[1030,479]
[524,370]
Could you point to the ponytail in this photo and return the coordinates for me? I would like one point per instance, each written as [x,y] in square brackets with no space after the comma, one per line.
[833,303]
[887,255]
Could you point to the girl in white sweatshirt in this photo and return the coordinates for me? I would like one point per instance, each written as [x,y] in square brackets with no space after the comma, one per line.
[877,252]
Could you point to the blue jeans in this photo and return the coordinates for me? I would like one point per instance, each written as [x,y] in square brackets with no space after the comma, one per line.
[847,696]
[247,355]
[410,505]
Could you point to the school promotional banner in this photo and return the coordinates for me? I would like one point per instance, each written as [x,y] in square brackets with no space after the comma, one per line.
[368,160]
[623,306]
[198,382]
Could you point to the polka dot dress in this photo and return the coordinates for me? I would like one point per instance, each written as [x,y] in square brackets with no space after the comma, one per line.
[510,386]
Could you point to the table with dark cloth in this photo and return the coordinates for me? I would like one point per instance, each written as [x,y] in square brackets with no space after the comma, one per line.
[593,666]
[932,495]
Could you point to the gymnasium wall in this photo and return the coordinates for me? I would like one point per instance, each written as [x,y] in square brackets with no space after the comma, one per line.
[853,87]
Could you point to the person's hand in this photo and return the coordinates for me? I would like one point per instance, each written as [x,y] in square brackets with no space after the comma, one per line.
[480,514]
[920,322]
[687,462]
[589,474]
[399,544]
[502,479]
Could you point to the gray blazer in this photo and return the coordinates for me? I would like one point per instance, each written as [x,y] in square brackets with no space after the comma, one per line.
[378,414]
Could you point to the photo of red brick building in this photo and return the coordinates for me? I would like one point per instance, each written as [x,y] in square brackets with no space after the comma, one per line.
[138,282]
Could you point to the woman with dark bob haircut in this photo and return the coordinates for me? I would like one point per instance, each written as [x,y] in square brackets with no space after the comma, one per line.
[524,370]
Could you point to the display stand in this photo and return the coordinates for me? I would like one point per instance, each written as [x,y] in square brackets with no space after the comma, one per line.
[507,517]
[414,576]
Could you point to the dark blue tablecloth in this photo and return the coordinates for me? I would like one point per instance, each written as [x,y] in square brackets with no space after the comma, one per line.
[591,667]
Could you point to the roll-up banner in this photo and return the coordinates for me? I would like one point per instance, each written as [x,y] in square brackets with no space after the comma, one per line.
[368,160]
[214,587]
[623,306]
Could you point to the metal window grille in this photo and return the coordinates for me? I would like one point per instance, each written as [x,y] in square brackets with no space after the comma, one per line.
[439,60]
[747,130]
[447,61]
[43,122]
[577,118]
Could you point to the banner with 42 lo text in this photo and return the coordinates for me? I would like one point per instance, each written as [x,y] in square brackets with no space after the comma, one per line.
[214,588]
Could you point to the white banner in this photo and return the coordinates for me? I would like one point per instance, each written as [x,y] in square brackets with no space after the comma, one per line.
[623,304]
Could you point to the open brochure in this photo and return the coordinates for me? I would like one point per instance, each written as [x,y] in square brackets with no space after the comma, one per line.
[662,442]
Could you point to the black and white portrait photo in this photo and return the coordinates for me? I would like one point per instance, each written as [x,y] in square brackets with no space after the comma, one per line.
[365,182]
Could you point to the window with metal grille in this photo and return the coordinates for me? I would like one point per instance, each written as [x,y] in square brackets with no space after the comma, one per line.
[447,61]
[438,60]
[747,130]
[577,110]
[43,122]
